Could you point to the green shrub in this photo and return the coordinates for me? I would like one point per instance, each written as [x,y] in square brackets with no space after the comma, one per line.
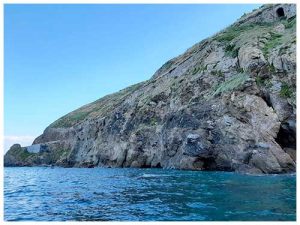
[70,119]
[20,153]
[230,84]
[285,90]
[198,69]
[217,73]
[153,121]
[259,81]
[234,31]
[235,53]
[290,23]
[226,37]
[272,68]
[195,70]
[230,50]
[273,42]
[240,70]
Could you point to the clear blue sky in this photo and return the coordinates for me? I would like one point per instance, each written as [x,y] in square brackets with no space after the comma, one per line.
[60,57]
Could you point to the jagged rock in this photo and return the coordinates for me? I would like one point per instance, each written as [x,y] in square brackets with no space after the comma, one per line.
[251,59]
[279,28]
[284,62]
[291,152]
[227,103]
[265,162]
[281,106]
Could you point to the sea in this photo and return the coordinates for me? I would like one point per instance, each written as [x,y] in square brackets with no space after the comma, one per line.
[129,194]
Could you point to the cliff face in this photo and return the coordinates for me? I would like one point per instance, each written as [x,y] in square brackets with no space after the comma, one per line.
[227,103]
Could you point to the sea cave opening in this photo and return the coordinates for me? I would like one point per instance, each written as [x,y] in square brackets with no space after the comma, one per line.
[286,137]
[280,12]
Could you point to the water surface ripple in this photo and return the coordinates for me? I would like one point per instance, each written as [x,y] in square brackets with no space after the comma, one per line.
[45,194]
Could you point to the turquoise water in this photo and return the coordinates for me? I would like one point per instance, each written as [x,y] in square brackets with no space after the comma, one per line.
[37,193]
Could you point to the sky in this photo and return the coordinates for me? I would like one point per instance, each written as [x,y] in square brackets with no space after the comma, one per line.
[60,57]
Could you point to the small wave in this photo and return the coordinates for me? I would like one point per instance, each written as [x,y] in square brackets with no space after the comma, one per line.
[98,193]
[28,185]
[146,175]
[9,193]
[200,205]
[117,176]
[271,175]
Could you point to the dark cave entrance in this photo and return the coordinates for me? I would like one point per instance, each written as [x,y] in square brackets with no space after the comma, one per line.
[153,166]
[280,12]
[286,137]
[267,99]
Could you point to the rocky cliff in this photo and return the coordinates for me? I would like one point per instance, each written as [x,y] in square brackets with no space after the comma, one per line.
[227,103]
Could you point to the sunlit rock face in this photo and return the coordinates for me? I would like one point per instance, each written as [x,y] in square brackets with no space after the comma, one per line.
[227,103]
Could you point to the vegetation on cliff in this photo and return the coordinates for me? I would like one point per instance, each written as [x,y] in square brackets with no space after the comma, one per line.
[227,103]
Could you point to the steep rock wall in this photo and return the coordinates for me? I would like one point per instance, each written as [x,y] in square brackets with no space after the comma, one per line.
[227,103]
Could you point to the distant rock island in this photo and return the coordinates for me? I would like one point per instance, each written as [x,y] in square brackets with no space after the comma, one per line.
[228,103]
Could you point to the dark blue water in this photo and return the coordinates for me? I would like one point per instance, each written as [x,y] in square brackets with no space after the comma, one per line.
[145,194]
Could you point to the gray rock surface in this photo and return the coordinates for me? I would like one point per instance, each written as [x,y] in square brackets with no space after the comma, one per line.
[227,103]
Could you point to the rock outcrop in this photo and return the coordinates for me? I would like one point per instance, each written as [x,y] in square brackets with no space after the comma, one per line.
[227,103]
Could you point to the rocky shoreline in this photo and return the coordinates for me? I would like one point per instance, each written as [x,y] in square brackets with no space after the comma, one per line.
[228,103]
